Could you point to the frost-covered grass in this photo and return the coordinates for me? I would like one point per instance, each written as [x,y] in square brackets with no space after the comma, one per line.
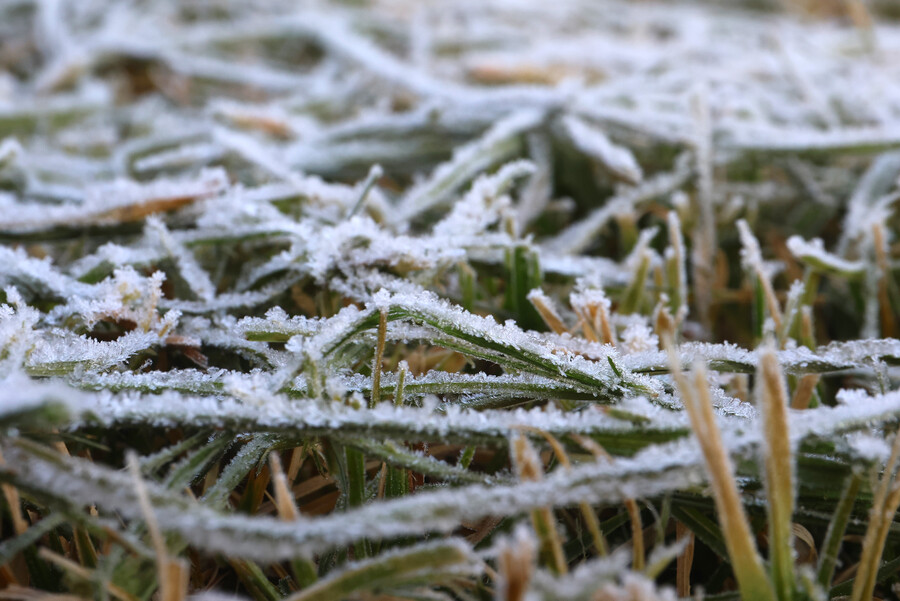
[509,300]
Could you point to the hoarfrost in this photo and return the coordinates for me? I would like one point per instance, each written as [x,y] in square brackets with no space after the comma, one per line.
[231,173]
[596,144]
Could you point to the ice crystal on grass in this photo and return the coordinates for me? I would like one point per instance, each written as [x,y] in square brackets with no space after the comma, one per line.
[426,270]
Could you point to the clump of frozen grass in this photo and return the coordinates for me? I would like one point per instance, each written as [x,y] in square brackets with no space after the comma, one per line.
[331,281]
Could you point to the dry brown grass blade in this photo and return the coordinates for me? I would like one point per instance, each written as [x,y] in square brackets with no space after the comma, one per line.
[663,321]
[173,572]
[595,321]
[884,506]
[637,535]
[804,391]
[684,562]
[590,516]
[136,212]
[779,470]
[174,579]
[704,231]
[298,455]
[739,540]
[515,565]
[529,468]
[7,577]
[11,494]
[481,529]
[804,545]
[544,306]
[284,501]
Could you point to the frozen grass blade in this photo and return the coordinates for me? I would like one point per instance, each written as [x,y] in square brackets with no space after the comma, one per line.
[394,569]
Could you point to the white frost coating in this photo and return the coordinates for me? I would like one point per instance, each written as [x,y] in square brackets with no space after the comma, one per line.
[642,250]
[584,579]
[319,250]
[276,321]
[751,255]
[466,163]
[793,140]
[483,205]
[578,266]
[594,143]
[650,472]
[125,296]
[837,356]
[183,156]
[113,255]
[813,253]
[219,331]
[267,539]
[20,394]
[869,447]
[189,381]
[230,300]
[589,294]
[17,266]
[10,149]
[59,351]
[211,595]
[273,411]
[514,342]
[191,272]
[636,586]
[107,204]
[856,412]
[254,152]
[17,334]
[870,204]
[439,382]
[639,338]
